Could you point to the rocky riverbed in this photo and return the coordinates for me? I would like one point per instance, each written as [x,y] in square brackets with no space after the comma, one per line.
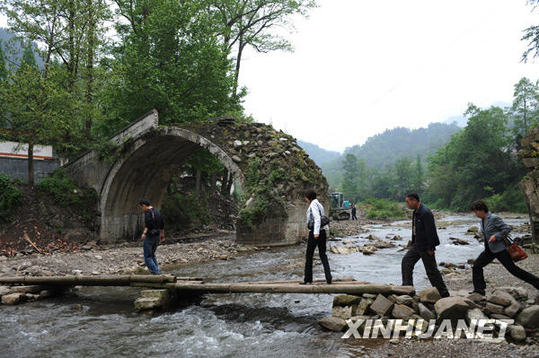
[124,258]
[273,323]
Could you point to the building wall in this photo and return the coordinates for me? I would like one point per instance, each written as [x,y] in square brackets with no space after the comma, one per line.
[18,168]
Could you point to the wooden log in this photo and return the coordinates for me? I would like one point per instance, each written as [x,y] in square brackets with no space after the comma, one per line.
[335,280]
[293,288]
[102,280]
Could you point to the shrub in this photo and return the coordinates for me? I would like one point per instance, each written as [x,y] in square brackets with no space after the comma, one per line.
[511,200]
[62,188]
[10,197]
[381,209]
[184,211]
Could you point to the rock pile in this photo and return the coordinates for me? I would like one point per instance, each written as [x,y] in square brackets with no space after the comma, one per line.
[509,304]
[19,294]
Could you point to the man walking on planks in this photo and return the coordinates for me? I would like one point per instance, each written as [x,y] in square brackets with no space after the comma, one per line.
[424,242]
[152,235]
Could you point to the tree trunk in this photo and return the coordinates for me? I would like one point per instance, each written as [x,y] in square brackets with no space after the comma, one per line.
[31,164]
[198,180]
[90,67]
[241,46]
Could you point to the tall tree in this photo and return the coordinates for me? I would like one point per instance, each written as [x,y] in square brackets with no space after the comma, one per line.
[525,107]
[418,178]
[3,67]
[37,106]
[350,185]
[249,23]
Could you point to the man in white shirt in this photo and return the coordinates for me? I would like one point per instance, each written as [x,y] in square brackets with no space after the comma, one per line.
[317,238]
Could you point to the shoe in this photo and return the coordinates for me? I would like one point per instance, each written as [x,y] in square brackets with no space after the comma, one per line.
[306,283]
[479,292]
[328,281]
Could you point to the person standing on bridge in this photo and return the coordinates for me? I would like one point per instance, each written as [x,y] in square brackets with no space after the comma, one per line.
[153,233]
[317,238]
[424,242]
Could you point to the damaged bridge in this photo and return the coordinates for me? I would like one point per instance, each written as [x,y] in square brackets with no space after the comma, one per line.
[268,165]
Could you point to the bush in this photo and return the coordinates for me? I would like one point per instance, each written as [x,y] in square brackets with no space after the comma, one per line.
[62,188]
[511,200]
[182,211]
[10,197]
[381,209]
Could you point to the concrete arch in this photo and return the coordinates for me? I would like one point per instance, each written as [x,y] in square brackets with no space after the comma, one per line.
[145,171]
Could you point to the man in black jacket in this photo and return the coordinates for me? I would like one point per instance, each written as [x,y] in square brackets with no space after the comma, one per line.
[151,236]
[424,242]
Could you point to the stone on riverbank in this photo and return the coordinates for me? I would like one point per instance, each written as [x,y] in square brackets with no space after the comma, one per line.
[345,300]
[429,295]
[517,332]
[13,298]
[333,324]
[381,305]
[529,317]
[452,307]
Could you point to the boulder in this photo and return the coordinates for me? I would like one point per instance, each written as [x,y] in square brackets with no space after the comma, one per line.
[344,312]
[512,310]
[345,300]
[333,324]
[363,306]
[425,313]
[381,305]
[404,300]
[528,317]
[517,332]
[452,307]
[402,311]
[502,298]
[493,308]
[475,314]
[4,290]
[368,250]
[147,303]
[476,297]
[13,298]
[429,295]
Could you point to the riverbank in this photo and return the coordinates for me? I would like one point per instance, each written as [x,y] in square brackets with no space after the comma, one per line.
[126,258]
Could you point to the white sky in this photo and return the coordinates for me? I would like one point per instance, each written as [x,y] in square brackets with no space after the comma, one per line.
[362,66]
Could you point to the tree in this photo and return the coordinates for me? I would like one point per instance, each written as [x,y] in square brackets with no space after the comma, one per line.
[404,178]
[525,109]
[3,68]
[37,106]
[350,185]
[246,23]
[477,162]
[418,178]
[532,37]
[170,59]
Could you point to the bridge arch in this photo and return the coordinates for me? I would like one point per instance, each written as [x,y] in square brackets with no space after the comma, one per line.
[145,171]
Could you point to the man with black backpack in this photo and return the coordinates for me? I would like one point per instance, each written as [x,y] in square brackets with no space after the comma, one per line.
[152,235]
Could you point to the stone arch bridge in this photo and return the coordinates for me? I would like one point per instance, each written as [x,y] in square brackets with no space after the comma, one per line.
[268,165]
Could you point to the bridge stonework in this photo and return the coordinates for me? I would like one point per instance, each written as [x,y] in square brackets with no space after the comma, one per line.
[269,168]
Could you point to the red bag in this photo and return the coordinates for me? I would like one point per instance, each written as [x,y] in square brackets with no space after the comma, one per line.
[515,251]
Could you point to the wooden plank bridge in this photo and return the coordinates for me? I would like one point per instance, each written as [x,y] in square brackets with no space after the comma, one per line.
[197,285]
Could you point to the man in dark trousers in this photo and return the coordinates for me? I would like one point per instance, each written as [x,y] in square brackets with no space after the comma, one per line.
[424,242]
[153,233]
[354,211]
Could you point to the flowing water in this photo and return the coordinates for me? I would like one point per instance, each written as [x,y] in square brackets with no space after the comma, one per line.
[102,321]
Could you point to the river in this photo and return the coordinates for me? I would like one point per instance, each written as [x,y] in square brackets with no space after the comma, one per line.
[102,321]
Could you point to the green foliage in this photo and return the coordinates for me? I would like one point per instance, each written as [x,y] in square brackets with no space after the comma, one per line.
[262,187]
[3,68]
[511,200]
[476,163]
[381,209]
[63,189]
[10,197]
[187,210]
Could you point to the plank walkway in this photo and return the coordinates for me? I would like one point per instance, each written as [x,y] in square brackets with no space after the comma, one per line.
[198,285]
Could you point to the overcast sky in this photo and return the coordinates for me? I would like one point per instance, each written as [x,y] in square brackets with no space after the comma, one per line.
[362,66]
